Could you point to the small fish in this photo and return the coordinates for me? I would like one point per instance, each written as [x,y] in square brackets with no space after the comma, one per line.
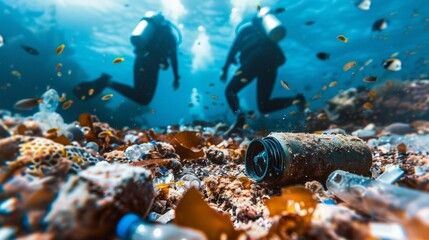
[365,5]
[333,84]
[243,80]
[309,23]
[392,64]
[67,104]
[317,96]
[60,49]
[324,87]
[52,131]
[164,185]
[342,38]
[211,85]
[62,98]
[322,116]
[69,72]
[394,54]
[104,134]
[296,101]
[118,60]
[369,79]
[107,97]
[389,83]
[153,111]
[368,62]
[215,97]
[293,113]
[245,126]
[285,84]
[27,104]
[16,73]
[77,159]
[90,91]
[30,50]
[238,73]
[59,74]
[83,97]
[380,25]
[372,94]
[58,67]
[322,56]
[367,105]
[190,105]
[206,107]
[349,65]
[1,41]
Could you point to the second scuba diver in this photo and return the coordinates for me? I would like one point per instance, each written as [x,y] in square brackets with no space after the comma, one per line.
[260,57]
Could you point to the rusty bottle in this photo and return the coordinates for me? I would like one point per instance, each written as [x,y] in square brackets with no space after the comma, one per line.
[293,158]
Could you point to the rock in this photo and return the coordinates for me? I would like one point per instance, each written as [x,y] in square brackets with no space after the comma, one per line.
[90,205]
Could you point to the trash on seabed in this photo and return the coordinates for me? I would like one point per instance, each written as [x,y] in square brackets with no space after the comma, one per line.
[133,227]
[294,158]
[391,175]
[383,201]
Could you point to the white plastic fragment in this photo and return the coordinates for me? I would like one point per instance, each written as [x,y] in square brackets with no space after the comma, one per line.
[387,231]
[7,233]
[418,171]
[391,175]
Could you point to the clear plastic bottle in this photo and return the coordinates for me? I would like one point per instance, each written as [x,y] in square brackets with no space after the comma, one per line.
[383,201]
[132,227]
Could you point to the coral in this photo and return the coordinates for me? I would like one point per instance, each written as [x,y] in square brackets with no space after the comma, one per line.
[90,205]
[44,154]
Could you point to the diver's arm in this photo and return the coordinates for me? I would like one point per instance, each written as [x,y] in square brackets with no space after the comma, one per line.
[231,55]
[172,54]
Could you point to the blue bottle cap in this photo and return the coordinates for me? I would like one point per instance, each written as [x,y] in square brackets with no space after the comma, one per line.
[125,224]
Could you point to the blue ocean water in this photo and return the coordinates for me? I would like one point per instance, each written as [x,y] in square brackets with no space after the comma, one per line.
[96,32]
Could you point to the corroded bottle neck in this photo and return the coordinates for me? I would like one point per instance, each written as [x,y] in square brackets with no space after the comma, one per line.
[264,160]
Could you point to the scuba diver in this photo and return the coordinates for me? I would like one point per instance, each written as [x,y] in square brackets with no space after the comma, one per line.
[260,57]
[154,43]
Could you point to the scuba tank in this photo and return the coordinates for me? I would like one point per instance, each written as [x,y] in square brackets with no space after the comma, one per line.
[143,33]
[268,22]
[271,24]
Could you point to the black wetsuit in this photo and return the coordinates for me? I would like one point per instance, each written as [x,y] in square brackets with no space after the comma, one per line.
[260,57]
[147,64]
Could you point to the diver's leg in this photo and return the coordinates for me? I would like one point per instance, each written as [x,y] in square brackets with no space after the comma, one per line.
[241,79]
[145,81]
[266,82]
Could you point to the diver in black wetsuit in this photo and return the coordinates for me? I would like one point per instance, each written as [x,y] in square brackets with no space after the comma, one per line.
[152,52]
[260,57]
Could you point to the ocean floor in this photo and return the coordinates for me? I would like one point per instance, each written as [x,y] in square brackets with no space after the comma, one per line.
[78,181]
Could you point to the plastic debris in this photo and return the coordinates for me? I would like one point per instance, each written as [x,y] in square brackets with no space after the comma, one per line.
[7,233]
[135,152]
[413,143]
[383,201]
[294,158]
[92,146]
[391,175]
[132,226]
[187,181]
[364,133]
[387,231]
[418,171]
